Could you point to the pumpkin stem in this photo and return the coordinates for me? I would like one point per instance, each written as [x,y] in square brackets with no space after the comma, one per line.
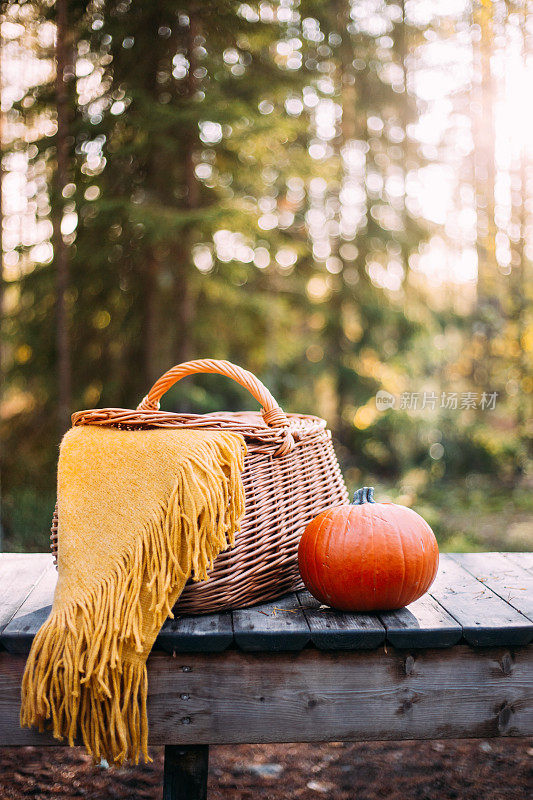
[364,495]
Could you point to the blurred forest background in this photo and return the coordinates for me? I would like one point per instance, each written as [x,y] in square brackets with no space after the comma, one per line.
[337,195]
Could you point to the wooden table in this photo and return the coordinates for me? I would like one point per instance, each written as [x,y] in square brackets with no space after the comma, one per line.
[455,664]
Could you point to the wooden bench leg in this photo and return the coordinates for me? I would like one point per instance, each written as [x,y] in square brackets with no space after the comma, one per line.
[185,773]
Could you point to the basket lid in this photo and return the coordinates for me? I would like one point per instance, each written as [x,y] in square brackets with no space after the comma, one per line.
[250,424]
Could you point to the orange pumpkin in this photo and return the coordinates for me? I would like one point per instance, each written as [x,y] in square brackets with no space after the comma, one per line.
[368,556]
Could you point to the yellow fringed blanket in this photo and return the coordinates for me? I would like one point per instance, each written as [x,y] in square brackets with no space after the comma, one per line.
[139,513]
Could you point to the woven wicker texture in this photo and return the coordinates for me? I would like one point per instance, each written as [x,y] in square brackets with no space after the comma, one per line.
[290,475]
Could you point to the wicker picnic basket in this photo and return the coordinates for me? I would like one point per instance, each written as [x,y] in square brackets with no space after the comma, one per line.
[290,475]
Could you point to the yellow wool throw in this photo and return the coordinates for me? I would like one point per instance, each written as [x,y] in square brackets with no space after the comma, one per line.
[139,513]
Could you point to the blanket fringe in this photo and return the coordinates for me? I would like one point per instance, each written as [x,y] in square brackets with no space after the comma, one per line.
[78,678]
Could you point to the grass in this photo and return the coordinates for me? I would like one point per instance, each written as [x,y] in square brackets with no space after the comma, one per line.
[26,519]
[475,513]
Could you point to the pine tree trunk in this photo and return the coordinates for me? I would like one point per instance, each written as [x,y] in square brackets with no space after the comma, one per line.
[347,130]
[150,328]
[1,219]
[401,49]
[61,255]
[520,275]
[2,359]
[488,306]
[185,295]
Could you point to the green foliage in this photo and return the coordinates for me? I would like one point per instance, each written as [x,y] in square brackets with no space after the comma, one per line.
[228,170]
[399,442]
[29,516]
[391,447]
[475,513]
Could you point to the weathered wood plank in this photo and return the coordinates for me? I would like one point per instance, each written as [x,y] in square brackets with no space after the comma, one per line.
[524,560]
[337,630]
[273,627]
[209,633]
[19,572]
[486,619]
[423,623]
[25,597]
[509,581]
[19,634]
[316,695]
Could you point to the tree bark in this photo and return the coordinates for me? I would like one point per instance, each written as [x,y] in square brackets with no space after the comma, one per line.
[2,356]
[346,131]
[520,275]
[488,282]
[1,214]
[185,295]
[151,315]
[61,254]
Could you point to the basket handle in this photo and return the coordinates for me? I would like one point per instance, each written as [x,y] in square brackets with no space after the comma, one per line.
[272,413]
